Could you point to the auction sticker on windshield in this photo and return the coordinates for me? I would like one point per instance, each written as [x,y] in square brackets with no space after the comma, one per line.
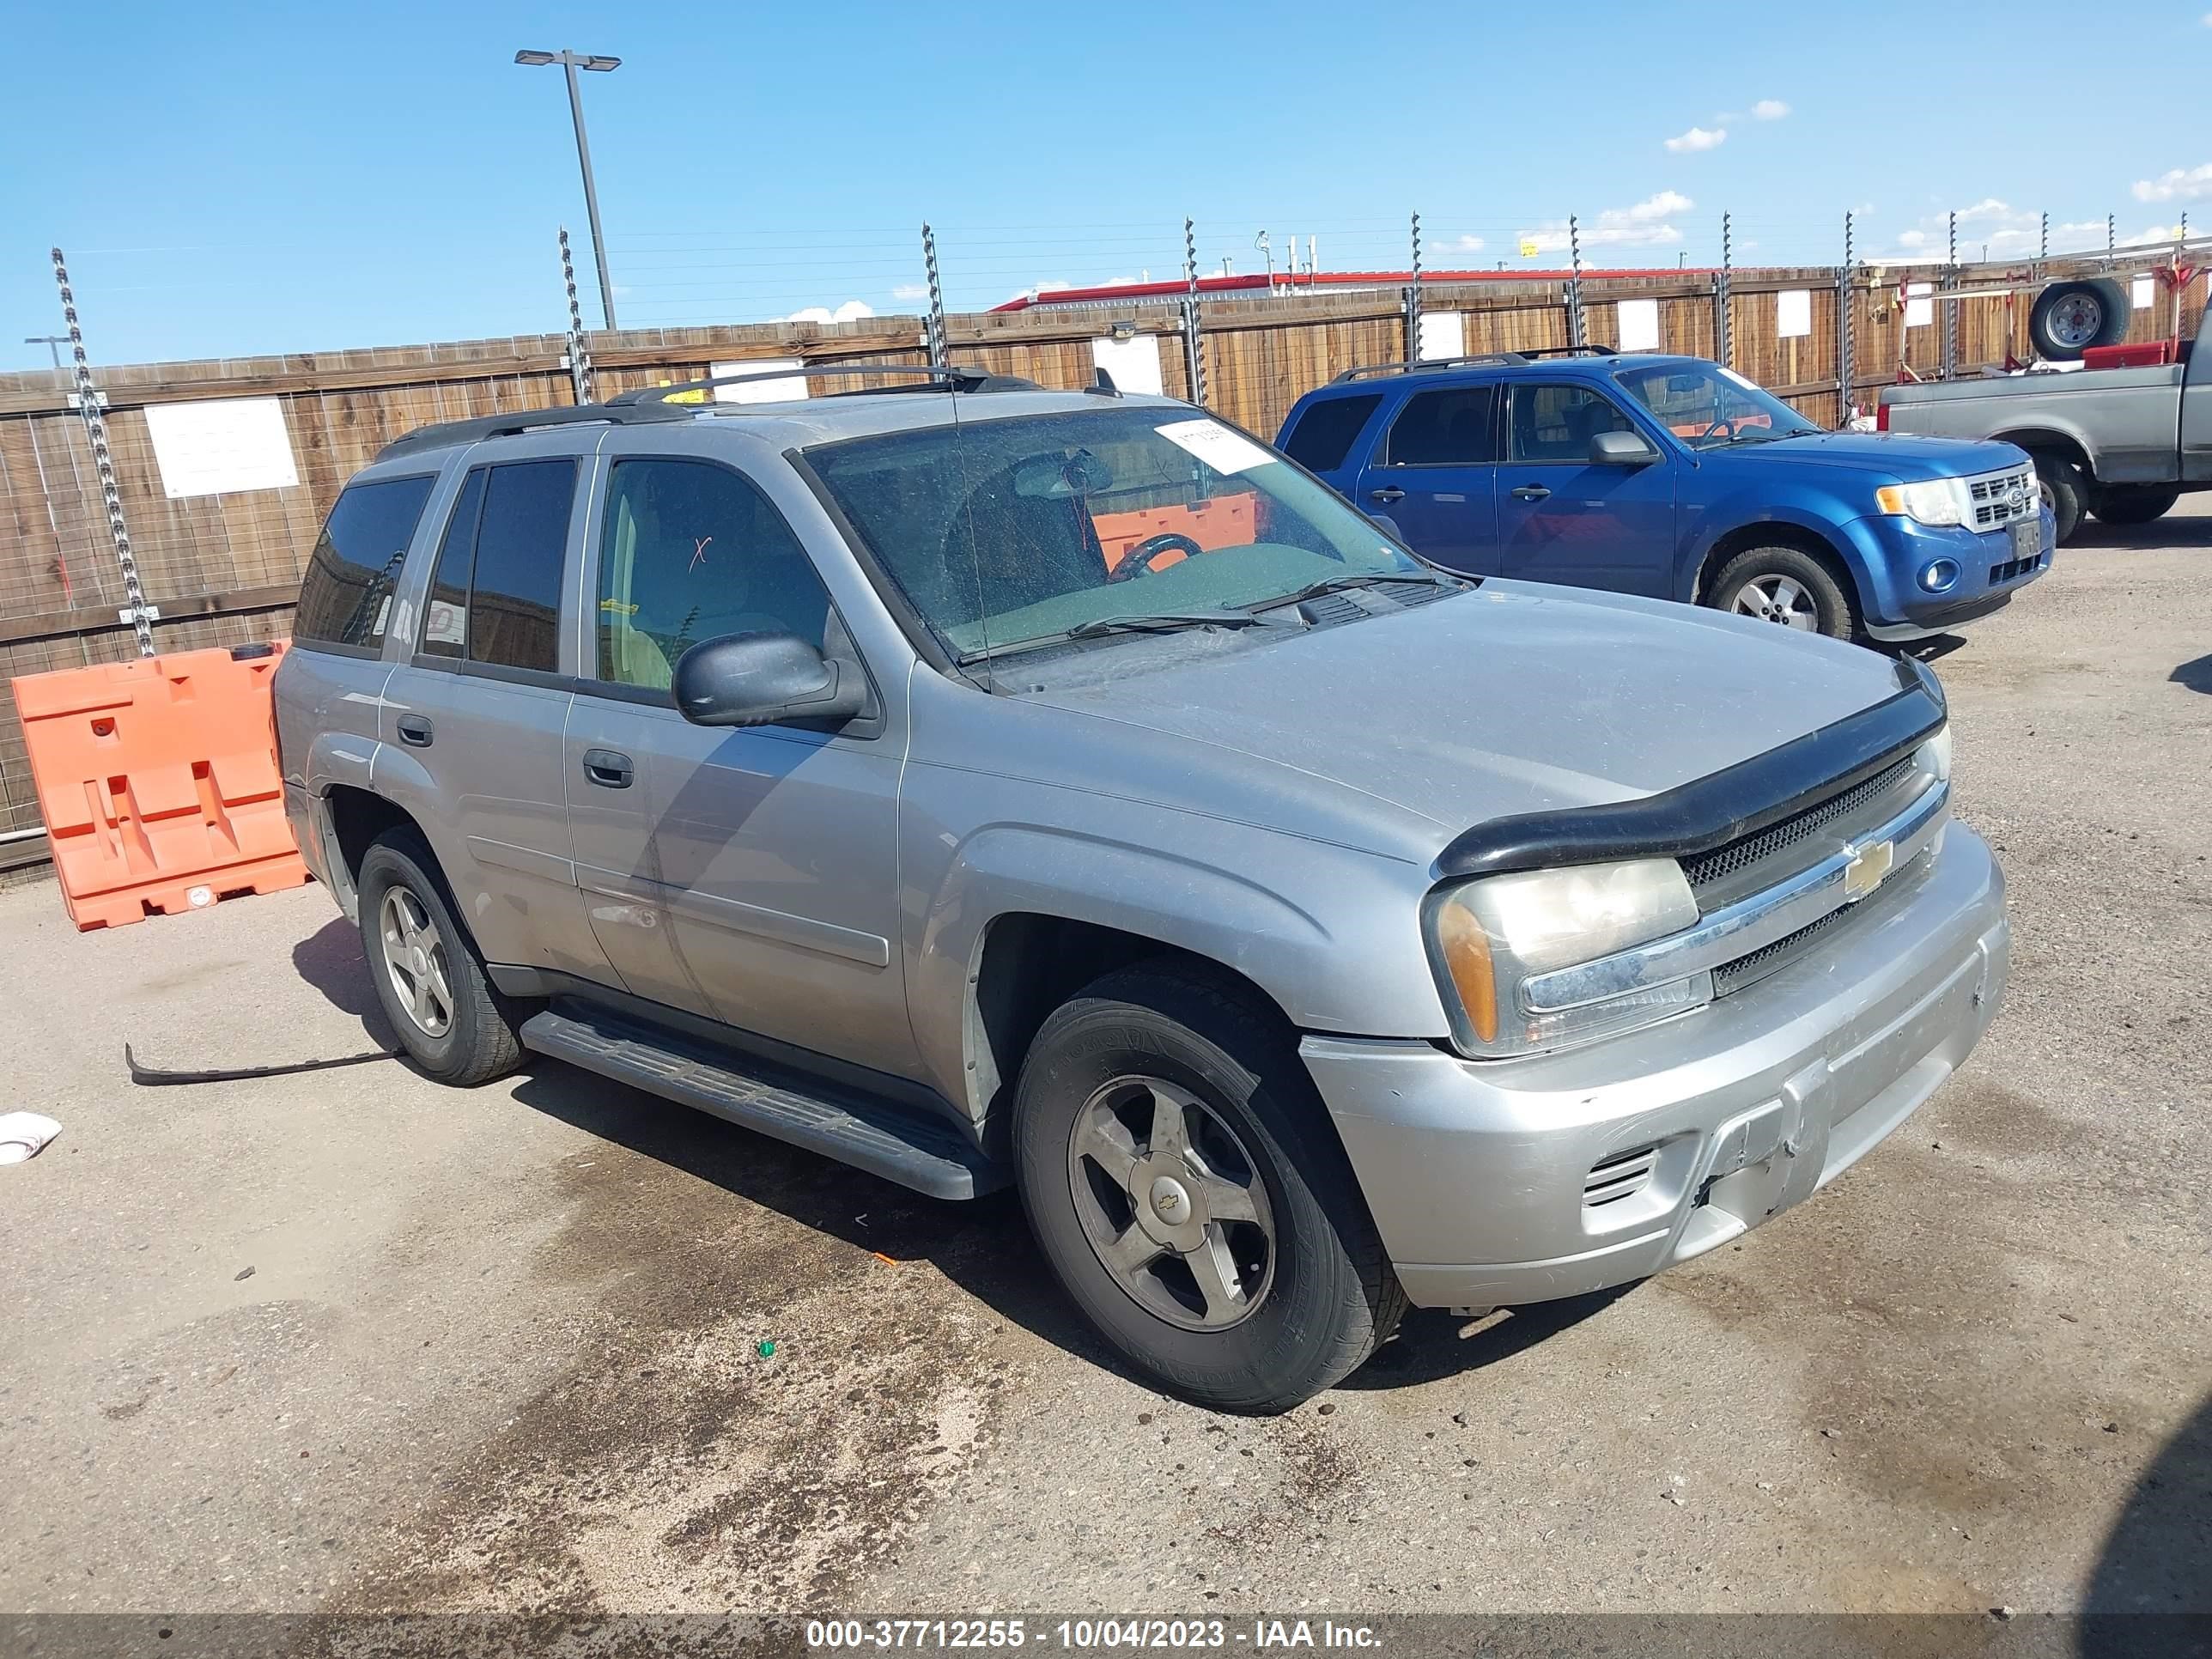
[1224,451]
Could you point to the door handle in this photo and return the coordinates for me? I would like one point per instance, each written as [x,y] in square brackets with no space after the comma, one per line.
[608,768]
[1388,493]
[415,730]
[1530,493]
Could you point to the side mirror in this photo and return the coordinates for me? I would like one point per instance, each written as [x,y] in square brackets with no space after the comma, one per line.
[761,679]
[1622,449]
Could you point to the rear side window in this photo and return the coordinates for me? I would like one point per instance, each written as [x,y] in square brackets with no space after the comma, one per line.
[1456,426]
[345,596]
[1323,435]
[495,595]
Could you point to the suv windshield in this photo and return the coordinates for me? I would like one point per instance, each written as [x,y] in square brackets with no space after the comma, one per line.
[1005,532]
[1707,406]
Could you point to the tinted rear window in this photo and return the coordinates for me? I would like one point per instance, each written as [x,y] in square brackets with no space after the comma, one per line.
[1323,435]
[345,596]
[495,593]
[1453,428]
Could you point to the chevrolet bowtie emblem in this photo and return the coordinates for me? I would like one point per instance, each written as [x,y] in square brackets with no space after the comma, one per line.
[1865,871]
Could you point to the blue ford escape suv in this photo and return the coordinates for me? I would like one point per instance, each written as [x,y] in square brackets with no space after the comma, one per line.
[1679,479]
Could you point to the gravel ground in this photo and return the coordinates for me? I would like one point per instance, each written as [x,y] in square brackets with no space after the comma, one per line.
[348,1341]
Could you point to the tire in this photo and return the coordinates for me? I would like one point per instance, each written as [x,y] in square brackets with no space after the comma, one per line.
[1789,586]
[2069,318]
[1309,1289]
[2065,492]
[475,1040]
[2133,504]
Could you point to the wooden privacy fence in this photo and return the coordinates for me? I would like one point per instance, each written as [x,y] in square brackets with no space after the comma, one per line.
[223,568]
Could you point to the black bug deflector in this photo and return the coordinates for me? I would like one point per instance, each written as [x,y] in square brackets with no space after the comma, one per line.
[1709,811]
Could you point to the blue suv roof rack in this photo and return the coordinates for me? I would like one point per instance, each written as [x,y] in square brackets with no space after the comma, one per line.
[1485,360]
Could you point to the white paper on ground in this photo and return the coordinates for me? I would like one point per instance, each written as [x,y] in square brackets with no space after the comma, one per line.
[1134,364]
[23,1133]
[1793,313]
[761,392]
[1224,451]
[1638,324]
[1443,334]
[221,446]
[1919,309]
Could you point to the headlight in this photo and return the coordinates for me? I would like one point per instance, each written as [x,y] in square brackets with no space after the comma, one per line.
[1934,755]
[1487,937]
[1938,501]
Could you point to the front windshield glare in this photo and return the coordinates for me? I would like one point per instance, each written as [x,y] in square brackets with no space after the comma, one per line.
[1707,406]
[1008,530]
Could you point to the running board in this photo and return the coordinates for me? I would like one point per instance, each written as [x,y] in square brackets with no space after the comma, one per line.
[821,1117]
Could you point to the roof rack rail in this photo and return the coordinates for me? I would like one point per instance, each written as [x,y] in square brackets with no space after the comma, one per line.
[1484,360]
[948,378]
[443,434]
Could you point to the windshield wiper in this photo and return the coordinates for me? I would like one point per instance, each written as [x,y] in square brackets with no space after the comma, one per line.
[1159,622]
[1362,578]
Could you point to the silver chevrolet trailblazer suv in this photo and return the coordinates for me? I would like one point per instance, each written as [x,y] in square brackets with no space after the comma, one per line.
[980,784]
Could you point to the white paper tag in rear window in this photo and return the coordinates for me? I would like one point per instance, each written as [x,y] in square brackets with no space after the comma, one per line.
[1224,451]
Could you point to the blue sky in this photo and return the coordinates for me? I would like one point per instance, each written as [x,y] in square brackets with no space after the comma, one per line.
[267,178]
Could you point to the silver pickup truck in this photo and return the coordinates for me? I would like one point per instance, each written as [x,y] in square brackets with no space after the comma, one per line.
[2120,443]
[989,786]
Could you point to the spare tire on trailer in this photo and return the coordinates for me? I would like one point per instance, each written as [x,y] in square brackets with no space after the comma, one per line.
[2069,318]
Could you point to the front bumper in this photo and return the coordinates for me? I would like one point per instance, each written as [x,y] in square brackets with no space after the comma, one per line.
[1893,552]
[1481,1174]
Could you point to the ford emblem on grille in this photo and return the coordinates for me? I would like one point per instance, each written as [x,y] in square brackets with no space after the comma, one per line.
[2016,497]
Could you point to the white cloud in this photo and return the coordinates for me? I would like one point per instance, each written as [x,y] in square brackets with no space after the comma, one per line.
[851,311]
[1468,245]
[1649,223]
[1769,109]
[911,291]
[1697,138]
[2176,185]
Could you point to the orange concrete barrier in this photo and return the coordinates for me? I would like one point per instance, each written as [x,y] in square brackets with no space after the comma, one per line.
[158,783]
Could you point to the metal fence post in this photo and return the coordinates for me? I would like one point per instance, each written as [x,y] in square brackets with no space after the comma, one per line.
[934,330]
[1575,336]
[2111,226]
[2043,248]
[1723,305]
[580,353]
[1413,299]
[87,398]
[1951,307]
[1194,347]
[1846,369]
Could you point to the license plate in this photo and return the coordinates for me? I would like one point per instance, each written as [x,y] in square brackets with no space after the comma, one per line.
[2026,538]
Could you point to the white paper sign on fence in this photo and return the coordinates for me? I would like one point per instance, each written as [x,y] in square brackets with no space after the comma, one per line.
[1443,334]
[221,446]
[1793,313]
[2145,292]
[1639,325]
[761,392]
[1134,364]
[1919,309]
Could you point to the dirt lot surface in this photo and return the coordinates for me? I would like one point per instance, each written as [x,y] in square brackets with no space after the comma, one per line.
[350,1340]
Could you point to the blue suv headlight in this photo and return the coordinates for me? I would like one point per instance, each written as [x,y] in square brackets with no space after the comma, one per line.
[1937,502]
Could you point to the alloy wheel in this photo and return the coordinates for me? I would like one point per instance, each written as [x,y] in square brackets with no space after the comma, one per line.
[415,961]
[1779,598]
[1172,1203]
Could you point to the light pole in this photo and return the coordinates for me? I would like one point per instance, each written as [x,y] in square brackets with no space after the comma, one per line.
[571,61]
[53,344]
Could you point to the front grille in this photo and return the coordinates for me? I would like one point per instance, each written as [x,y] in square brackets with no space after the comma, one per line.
[1622,1176]
[1709,870]
[2013,569]
[2000,497]
[1771,958]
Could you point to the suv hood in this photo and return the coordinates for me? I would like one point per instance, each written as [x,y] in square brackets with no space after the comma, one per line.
[1512,698]
[1899,455]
